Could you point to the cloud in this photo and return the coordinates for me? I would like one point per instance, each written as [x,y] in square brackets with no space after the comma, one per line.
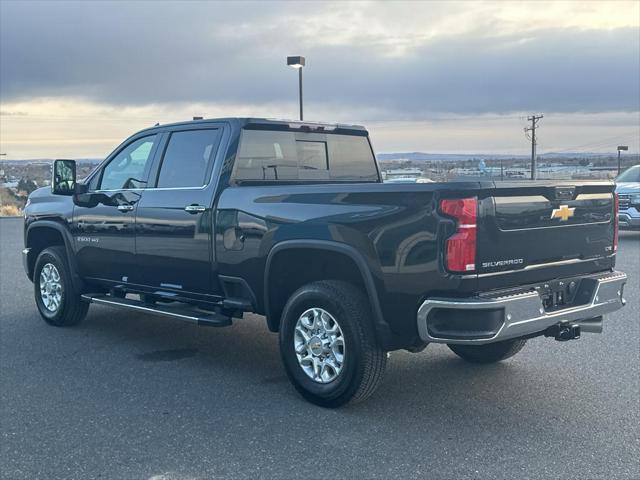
[371,61]
[433,76]
[75,128]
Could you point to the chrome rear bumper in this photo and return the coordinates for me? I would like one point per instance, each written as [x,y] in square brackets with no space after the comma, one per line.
[629,219]
[524,314]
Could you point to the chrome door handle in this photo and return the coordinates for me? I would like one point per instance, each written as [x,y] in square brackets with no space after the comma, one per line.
[195,208]
[125,208]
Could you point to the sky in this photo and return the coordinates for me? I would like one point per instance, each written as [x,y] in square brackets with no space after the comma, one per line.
[77,78]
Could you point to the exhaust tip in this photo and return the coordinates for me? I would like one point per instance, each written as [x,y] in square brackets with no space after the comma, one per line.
[592,325]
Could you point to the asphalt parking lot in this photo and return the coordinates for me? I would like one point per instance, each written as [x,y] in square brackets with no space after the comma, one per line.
[133,396]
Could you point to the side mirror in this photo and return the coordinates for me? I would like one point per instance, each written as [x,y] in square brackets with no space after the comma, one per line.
[64,177]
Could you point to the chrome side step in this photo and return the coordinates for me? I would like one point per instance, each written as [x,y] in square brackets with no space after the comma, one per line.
[179,312]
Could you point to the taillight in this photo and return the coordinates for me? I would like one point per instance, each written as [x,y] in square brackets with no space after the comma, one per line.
[461,246]
[616,209]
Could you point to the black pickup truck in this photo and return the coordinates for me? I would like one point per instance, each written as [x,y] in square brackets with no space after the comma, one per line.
[205,220]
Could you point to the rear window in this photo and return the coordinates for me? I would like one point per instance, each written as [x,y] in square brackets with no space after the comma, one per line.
[289,156]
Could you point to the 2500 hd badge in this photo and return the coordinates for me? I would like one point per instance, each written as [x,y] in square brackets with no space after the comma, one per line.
[87,239]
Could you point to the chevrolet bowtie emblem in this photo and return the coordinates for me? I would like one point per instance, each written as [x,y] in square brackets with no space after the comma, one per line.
[563,213]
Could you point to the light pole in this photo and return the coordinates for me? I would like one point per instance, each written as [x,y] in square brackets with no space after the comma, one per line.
[297,62]
[621,148]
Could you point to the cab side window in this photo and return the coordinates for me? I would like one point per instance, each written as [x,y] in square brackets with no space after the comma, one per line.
[128,168]
[188,158]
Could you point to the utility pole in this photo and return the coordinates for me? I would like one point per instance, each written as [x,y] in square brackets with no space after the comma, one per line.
[534,119]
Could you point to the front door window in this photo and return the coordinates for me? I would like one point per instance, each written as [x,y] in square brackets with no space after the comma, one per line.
[128,169]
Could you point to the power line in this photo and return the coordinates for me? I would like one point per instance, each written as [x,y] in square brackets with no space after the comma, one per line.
[476,118]
[596,144]
[600,143]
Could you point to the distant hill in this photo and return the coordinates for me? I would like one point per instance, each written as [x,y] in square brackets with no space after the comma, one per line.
[457,157]
[413,156]
[43,161]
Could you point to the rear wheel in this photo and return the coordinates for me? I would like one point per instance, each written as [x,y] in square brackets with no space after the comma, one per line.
[56,299]
[489,353]
[327,344]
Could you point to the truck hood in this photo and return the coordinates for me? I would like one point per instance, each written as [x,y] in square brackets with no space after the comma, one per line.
[628,187]
[41,192]
[42,203]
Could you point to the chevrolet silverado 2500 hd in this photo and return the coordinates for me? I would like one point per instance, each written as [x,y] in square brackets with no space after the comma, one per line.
[203,221]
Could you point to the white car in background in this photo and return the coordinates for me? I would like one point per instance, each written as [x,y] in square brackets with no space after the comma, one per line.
[628,189]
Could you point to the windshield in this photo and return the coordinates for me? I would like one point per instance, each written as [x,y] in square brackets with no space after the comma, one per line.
[630,175]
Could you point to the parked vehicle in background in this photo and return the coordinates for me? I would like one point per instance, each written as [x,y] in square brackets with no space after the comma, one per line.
[628,190]
[203,221]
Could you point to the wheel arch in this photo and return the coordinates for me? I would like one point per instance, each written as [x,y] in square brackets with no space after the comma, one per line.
[321,248]
[42,234]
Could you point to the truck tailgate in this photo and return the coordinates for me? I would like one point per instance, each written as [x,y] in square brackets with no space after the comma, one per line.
[544,229]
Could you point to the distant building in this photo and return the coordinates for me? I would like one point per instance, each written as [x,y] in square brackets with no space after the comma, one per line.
[401,174]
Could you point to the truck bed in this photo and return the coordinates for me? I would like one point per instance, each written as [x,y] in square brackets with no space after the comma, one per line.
[401,234]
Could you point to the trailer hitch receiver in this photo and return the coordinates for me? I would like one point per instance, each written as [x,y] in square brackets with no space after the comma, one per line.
[563,333]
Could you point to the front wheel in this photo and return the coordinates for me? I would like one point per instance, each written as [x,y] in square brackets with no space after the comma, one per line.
[489,353]
[57,301]
[328,346]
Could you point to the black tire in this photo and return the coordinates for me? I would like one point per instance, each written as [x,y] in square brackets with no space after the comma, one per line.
[489,353]
[364,360]
[71,309]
